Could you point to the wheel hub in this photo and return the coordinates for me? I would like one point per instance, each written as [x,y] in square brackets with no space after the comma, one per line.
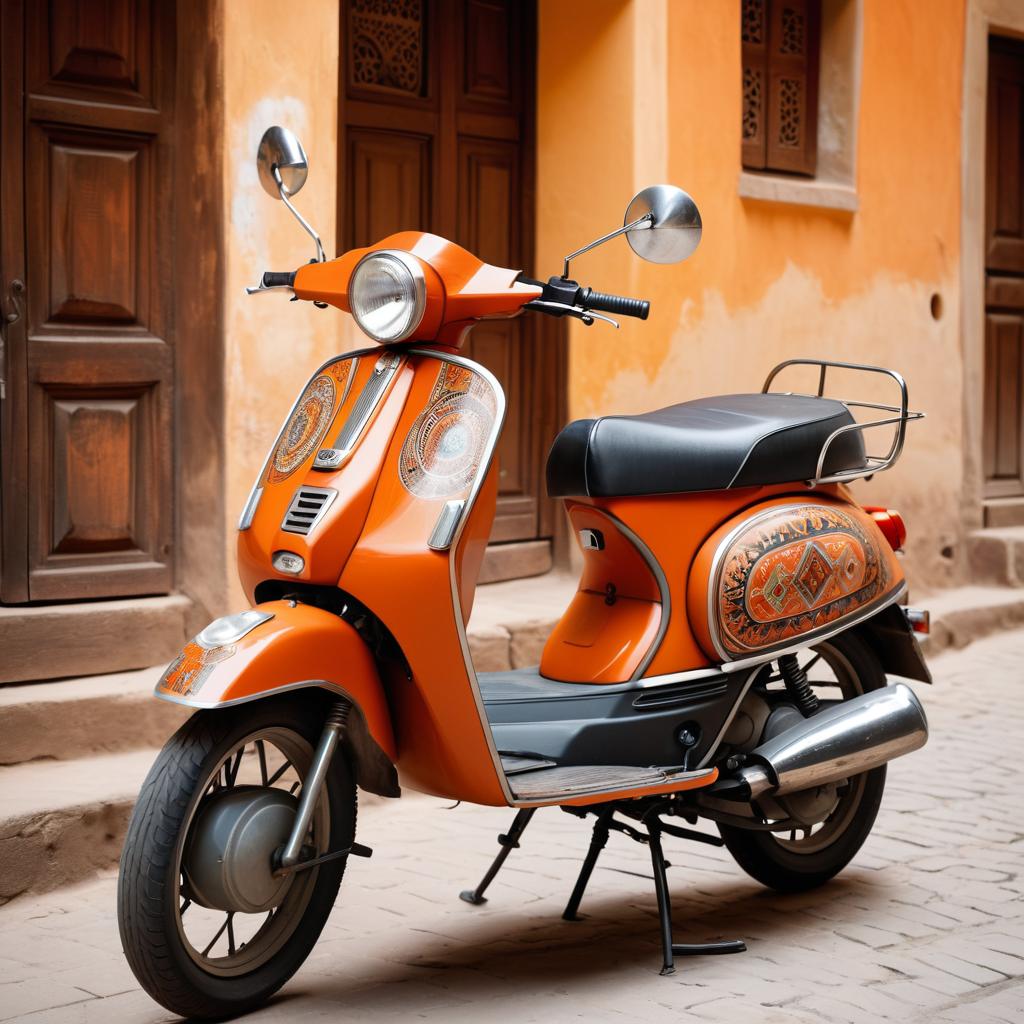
[229,859]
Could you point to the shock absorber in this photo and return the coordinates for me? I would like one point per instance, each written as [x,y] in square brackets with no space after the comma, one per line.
[797,686]
[334,724]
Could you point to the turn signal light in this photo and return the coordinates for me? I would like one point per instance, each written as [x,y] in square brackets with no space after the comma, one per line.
[890,522]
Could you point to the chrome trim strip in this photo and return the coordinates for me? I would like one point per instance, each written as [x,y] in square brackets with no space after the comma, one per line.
[659,575]
[444,529]
[253,499]
[251,504]
[205,705]
[376,385]
[470,500]
[809,639]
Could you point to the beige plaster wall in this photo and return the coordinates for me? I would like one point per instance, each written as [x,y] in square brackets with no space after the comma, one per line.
[771,280]
[277,70]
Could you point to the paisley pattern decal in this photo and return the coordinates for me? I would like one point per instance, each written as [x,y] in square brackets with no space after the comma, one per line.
[796,572]
[307,425]
[442,452]
[188,672]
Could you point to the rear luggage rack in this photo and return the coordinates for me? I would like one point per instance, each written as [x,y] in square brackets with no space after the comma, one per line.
[901,415]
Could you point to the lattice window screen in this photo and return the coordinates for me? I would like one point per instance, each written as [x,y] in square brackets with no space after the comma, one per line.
[780,84]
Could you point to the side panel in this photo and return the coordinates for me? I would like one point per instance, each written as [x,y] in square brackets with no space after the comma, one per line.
[440,453]
[367,389]
[618,613]
[787,573]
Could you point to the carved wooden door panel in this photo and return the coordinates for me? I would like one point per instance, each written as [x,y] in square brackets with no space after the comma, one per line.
[1004,278]
[87,429]
[437,133]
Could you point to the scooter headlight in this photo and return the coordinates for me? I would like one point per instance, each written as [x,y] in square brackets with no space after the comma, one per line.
[388,295]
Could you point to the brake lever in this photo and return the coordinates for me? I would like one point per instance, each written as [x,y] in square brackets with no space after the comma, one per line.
[559,309]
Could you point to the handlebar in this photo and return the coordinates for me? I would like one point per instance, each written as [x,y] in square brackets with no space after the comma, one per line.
[621,304]
[278,278]
[562,297]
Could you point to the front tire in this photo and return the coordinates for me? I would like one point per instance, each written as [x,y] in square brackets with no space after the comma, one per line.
[252,749]
[793,864]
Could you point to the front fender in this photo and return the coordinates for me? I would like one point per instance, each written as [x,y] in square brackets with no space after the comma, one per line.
[299,646]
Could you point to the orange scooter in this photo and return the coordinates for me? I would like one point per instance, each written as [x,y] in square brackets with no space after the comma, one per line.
[724,658]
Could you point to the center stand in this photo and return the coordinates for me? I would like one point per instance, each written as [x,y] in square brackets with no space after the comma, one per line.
[648,814]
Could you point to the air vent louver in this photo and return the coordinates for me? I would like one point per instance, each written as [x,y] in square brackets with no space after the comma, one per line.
[307,508]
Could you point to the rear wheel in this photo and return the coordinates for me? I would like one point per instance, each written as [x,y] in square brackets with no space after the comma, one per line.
[207,928]
[810,854]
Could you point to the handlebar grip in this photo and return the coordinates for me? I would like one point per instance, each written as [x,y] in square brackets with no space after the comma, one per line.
[278,278]
[621,304]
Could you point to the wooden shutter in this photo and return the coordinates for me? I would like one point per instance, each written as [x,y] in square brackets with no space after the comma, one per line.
[781,40]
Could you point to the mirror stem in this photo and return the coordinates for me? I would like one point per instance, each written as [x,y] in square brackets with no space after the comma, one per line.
[646,221]
[320,256]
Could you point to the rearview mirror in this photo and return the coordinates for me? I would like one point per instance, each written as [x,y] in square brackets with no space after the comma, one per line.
[671,226]
[281,162]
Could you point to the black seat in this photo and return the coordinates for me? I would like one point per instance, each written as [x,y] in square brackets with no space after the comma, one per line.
[705,445]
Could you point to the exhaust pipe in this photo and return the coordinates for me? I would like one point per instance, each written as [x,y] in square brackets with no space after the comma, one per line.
[842,740]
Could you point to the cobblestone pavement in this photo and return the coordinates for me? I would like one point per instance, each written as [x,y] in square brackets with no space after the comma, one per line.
[927,924]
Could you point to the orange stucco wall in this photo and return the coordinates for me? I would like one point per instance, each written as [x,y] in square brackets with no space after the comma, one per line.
[632,92]
[771,280]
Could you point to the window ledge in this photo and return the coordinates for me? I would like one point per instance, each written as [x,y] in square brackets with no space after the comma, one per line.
[798,191]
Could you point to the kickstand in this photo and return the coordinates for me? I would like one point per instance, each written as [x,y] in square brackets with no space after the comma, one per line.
[597,843]
[508,843]
[670,948]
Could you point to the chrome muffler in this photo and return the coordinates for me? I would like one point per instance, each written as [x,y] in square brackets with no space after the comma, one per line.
[839,741]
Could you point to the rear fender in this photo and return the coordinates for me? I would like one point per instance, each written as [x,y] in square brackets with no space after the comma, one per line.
[297,646]
[889,635]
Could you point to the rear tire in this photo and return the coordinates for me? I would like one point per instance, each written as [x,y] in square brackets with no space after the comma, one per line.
[782,866]
[152,889]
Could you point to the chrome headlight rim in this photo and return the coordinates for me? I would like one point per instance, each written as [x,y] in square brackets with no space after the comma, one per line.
[419,281]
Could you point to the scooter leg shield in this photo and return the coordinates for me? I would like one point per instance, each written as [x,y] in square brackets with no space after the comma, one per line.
[278,647]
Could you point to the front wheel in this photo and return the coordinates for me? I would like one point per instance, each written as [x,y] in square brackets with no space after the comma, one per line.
[207,928]
[805,857]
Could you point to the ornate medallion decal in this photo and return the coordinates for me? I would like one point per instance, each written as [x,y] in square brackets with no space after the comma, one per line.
[307,425]
[796,571]
[442,452]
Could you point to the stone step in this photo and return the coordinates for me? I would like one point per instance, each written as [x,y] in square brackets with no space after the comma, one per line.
[77,718]
[61,821]
[55,641]
[996,555]
[965,614]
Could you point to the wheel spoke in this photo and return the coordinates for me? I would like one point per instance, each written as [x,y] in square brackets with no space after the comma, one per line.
[814,661]
[231,934]
[184,906]
[280,771]
[231,771]
[220,932]
[261,751]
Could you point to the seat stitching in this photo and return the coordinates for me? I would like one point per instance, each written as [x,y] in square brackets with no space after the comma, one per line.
[772,433]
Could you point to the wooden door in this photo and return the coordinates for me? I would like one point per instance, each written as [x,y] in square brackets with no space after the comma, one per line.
[1004,279]
[437,133]
[86,431]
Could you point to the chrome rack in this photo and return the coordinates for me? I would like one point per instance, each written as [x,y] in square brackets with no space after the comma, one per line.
[901,415]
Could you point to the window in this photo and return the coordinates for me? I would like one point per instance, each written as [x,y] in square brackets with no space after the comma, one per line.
[781,42]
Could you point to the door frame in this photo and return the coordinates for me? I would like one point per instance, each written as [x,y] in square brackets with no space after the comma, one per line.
[984,18]
[151,627]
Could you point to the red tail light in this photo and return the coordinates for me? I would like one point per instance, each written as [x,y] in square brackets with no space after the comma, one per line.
[890,522]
